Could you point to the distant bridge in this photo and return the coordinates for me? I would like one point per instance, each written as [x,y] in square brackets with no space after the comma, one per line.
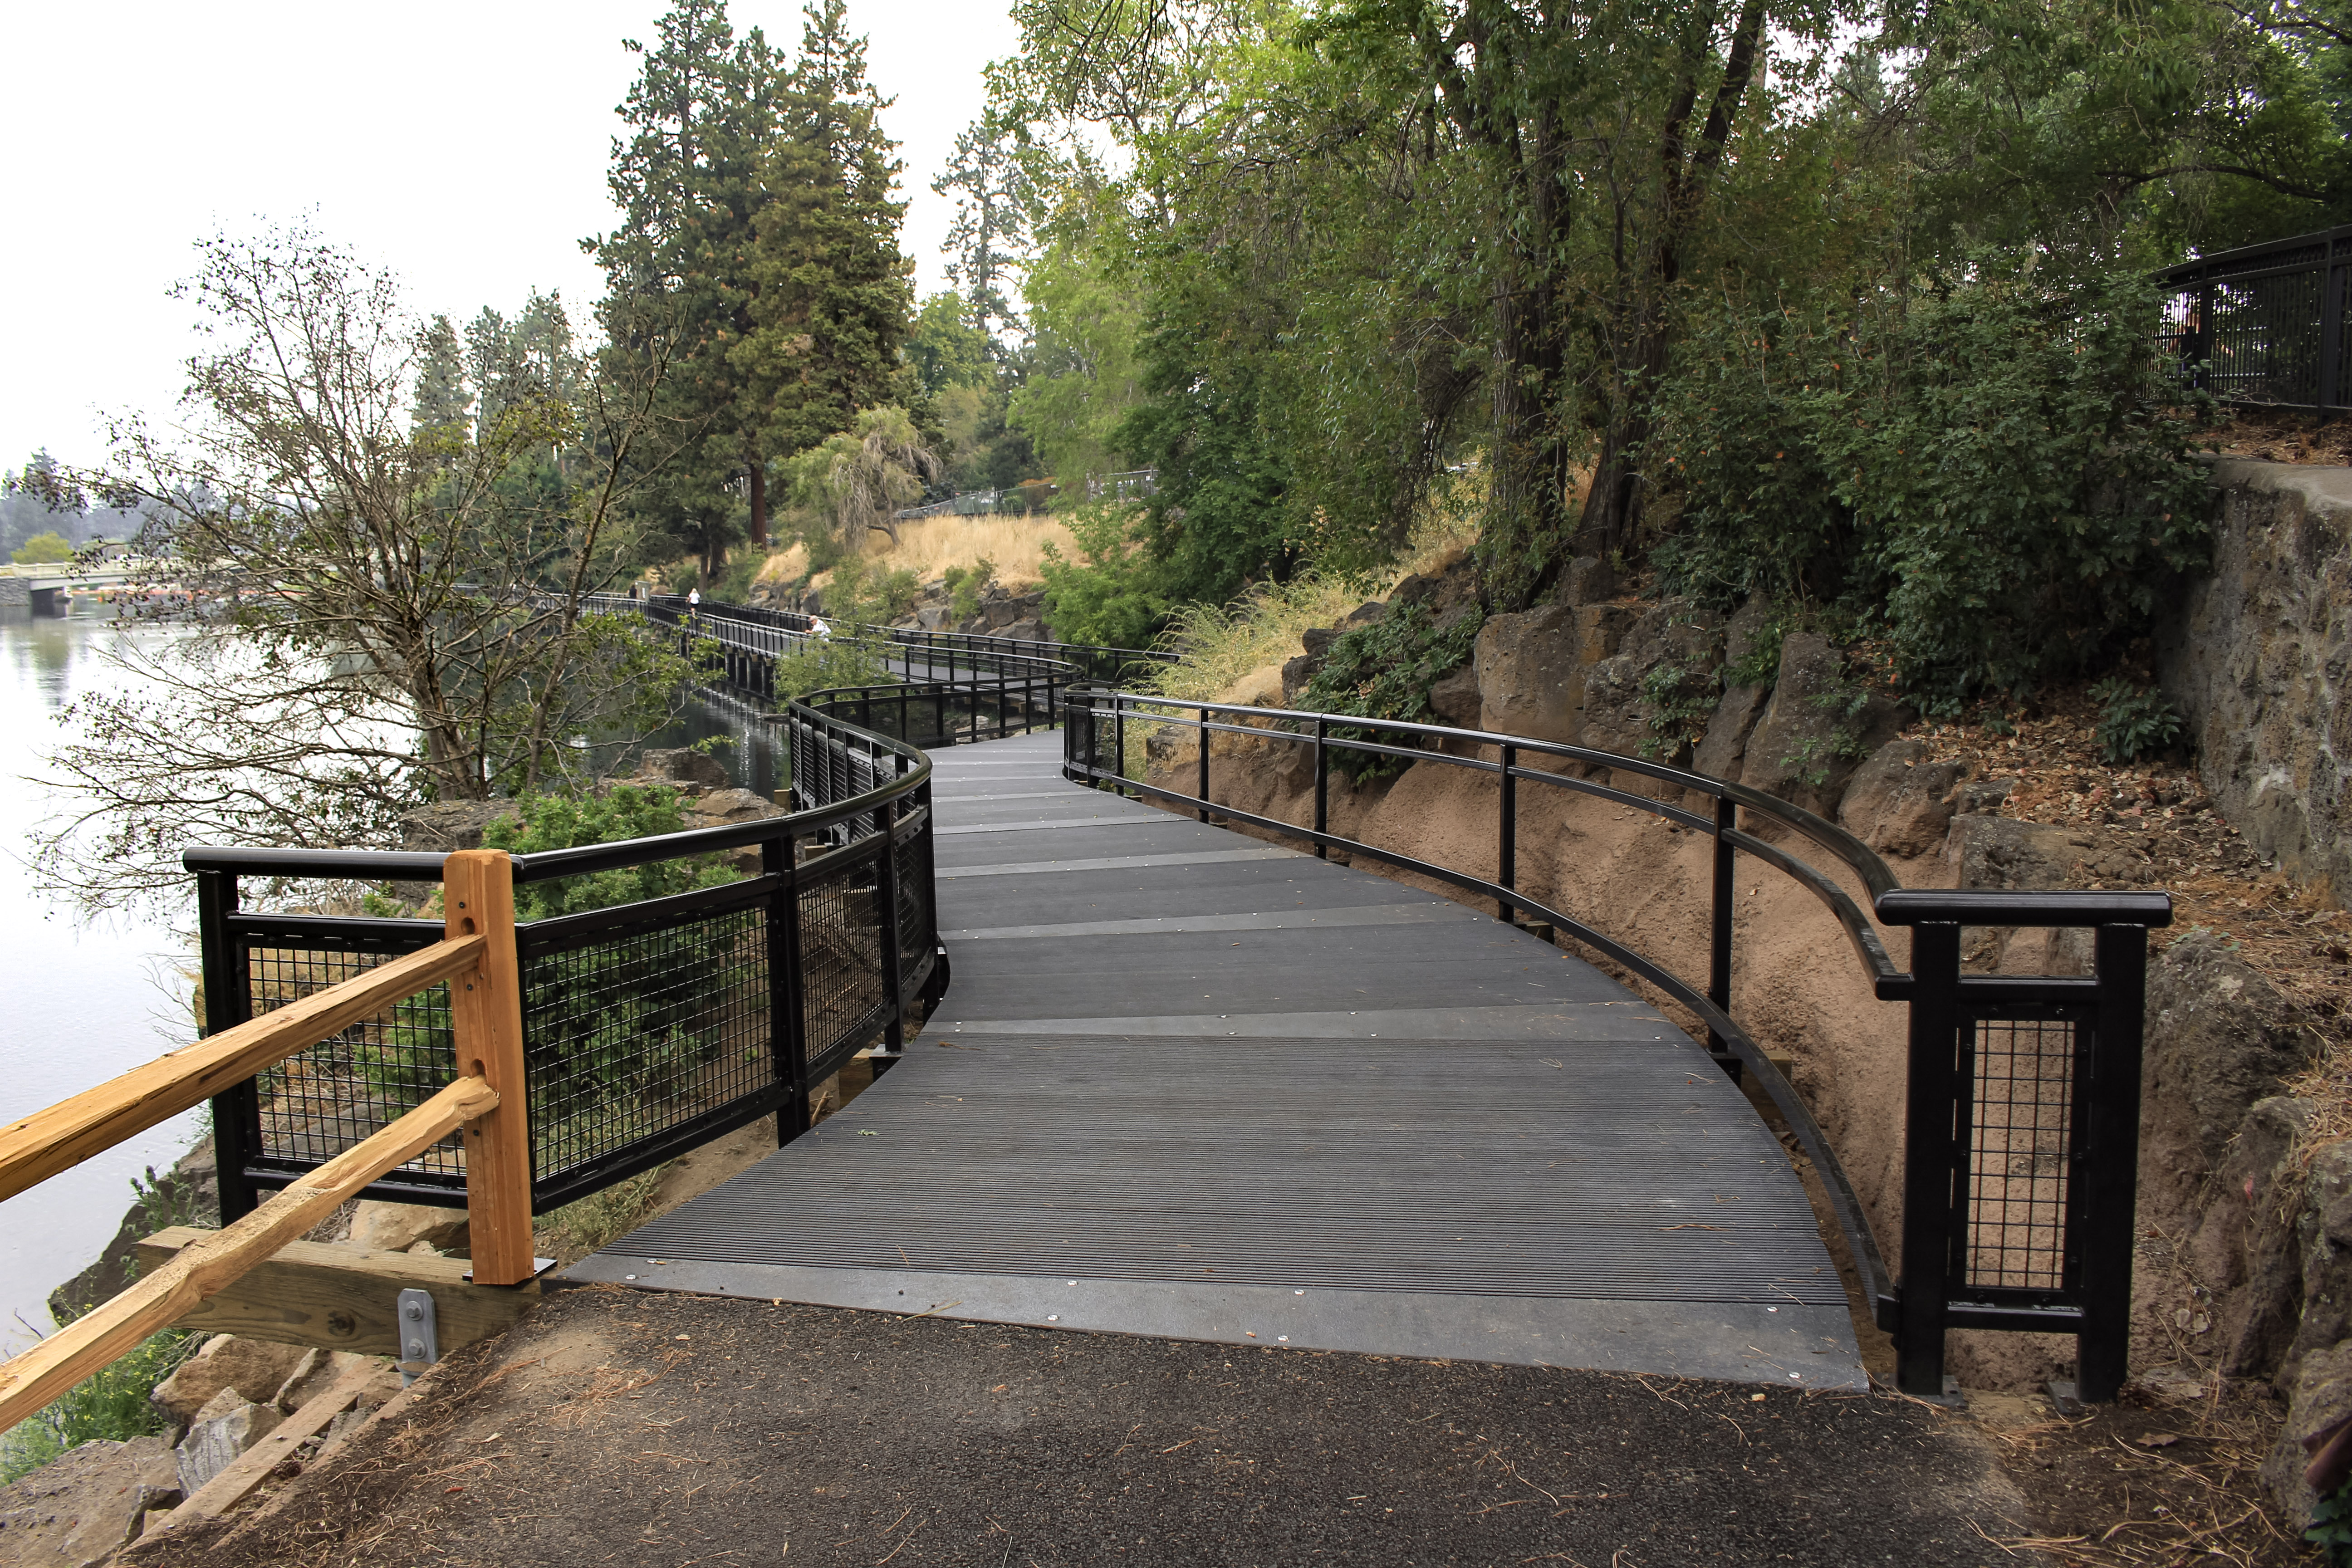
[39,586]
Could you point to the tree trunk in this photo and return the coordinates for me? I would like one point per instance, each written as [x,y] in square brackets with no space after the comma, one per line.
[759,502]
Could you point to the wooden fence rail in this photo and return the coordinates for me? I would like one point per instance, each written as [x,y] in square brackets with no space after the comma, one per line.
[488,1102]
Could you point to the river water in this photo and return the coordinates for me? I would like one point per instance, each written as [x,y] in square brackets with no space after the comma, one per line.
[86,1001]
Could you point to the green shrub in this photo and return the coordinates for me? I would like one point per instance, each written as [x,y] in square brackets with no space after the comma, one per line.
[1985,475]
[570,821]
[829,665]
[2134,723]
[1383,671]
[43,550]
[964,587]
[1116,594]
[110,1405]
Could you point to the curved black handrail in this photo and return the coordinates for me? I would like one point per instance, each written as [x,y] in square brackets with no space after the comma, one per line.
[418,866]
[1471,749]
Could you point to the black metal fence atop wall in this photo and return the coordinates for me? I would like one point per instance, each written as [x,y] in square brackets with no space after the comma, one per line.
[2265,325]
[650,1026]
[2022,1112]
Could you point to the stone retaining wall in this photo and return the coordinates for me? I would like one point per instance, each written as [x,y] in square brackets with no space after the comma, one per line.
[2258,657]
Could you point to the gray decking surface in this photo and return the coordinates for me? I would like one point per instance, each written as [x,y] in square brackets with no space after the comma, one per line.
[1191,1085]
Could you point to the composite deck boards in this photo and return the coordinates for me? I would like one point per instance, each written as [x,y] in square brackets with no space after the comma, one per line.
[1189,1084]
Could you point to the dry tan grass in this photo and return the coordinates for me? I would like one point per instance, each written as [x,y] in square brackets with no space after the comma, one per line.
[1219,645]
[1015,546]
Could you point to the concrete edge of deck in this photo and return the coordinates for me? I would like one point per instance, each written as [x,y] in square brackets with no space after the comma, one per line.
[1793,1345]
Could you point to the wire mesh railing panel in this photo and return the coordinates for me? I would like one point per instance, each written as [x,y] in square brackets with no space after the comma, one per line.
[635,1030]
[843,998]
[2022,1136]
[321,1100]
[914,908]
[2264,340]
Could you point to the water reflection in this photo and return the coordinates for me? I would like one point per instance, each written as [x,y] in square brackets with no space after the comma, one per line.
[87,1002]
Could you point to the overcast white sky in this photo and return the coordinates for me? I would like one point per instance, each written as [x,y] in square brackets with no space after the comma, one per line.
[462,144]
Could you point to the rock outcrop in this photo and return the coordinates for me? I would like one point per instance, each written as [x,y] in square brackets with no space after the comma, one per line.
[1817,727]
[80,1508]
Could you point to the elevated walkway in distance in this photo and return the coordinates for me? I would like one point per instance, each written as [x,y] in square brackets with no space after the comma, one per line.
[1190,1085]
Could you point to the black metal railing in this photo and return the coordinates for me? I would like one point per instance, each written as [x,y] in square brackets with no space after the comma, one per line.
[2023,1091]
[740,647]
[2265,325]
[650,1028]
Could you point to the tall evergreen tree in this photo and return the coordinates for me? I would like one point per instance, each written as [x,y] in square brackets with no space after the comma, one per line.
[996,190]
[443,401]
[831,295]
[704,108]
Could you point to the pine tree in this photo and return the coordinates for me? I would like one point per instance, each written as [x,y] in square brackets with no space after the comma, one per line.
[832,293]
[443,402]
[996,190]
[687,182]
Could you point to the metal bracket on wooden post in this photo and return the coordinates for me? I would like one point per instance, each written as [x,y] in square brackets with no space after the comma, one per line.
[420,1333]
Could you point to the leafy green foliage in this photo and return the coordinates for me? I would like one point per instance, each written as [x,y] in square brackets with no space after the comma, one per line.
[2331,1527]
[568,822]
[964,587]
[2134,723]
[110,1405]
[43,550]
[829,666]
[1682,699]
[1383,671]
[1116,594]
[1987,475]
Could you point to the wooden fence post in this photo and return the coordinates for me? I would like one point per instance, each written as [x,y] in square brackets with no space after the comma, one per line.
[486,1015]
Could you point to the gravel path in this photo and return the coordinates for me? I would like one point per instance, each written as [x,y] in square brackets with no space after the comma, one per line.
[623,1427]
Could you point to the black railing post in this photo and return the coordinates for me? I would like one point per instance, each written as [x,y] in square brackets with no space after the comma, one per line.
[226,1006]
[1507,851]
[1718,965]
[1322,785]
[2330,391]
[1204,762]
[2110,1168]
[1927,1156]
[787,1029]
[886,898]
[1119,742]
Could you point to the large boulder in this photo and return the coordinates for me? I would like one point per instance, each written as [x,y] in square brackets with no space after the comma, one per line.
[80,1508]
[1531,667]
[681,764]
[253,1370]
[1899,802]
[2220,1037]
[2242,1250]
[396,1227]
[222,1432]
[1665,666]
[447,826]
[1724,747]
[1818,726]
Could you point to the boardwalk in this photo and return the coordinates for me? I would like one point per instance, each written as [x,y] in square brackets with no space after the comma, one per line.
[1190,1085]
